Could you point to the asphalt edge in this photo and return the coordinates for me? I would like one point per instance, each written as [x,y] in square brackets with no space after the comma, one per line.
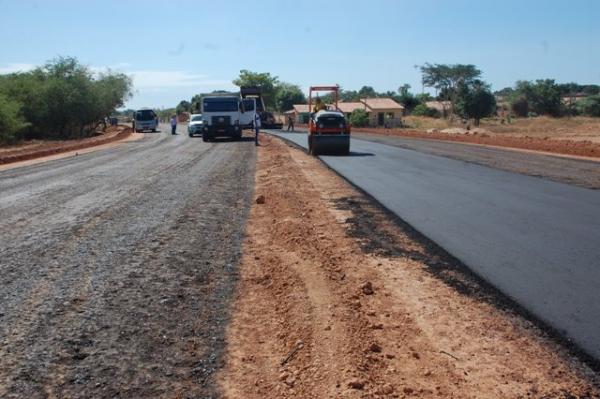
[496,297]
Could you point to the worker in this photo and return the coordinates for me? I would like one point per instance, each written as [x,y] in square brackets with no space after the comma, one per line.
[256,127]
[173,124]
[319,105]
[290,123]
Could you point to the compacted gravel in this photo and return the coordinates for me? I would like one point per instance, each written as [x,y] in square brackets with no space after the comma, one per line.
[117,268]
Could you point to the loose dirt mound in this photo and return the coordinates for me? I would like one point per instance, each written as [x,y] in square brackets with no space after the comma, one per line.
[334,300]
[41,149]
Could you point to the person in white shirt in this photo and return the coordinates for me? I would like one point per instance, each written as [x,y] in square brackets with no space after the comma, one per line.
[256,127]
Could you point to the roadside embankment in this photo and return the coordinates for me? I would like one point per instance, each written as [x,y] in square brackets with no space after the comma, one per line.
[44,148]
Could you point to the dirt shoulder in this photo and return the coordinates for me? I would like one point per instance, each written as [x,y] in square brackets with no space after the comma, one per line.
[580,148]
[42,148]
[336,300]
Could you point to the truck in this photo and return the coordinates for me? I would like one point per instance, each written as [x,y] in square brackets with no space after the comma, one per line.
[221,117]
[267,120]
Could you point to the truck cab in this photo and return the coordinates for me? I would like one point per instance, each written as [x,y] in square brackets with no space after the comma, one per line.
[221,116]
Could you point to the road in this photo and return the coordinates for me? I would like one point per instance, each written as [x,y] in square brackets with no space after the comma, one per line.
[536,240]
[117,268]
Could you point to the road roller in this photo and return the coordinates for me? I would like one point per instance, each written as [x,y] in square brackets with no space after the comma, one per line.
[328,129]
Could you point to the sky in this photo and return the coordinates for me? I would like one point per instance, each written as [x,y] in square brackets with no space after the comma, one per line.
[175,49]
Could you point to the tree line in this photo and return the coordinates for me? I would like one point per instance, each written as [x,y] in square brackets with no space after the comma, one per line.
[277,95]
[59,100]
[459,86]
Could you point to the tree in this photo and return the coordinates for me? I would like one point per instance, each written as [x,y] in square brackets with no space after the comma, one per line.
[590,106]
[423,110]
[287,95]
[475,101]
[359,118]
[367,92]
[64,98]
[263,81]
[11,120]
[349,95]
[542,97]
[447,78]
[406,98]
[183,106]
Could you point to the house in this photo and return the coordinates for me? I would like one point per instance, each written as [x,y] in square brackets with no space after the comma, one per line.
[443,107]
[381,111]
[299,112]
[348,108]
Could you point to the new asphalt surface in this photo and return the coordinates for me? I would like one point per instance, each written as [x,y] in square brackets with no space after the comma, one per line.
[536,240]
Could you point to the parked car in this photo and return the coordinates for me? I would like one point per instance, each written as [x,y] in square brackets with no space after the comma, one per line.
[195,125]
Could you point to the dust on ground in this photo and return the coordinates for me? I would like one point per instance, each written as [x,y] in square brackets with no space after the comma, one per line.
[335,299]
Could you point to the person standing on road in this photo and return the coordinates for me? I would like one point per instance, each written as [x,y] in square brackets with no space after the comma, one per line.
[290,123]
[174,124]
[256,127]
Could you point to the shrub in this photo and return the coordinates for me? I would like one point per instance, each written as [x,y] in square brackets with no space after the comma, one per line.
[542,97]
[11,120]
[65,99]
[359,118]
[590,106]
[520,106]
[423,110]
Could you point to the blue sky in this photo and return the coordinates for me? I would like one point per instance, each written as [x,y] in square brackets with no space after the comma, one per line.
[178,48]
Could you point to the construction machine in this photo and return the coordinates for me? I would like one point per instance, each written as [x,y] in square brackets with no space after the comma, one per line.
[267,120]
[328,129]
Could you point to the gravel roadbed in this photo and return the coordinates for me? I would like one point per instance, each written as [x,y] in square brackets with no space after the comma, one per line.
[117,268]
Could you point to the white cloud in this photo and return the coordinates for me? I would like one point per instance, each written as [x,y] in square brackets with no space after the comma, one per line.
[152,79]
[18,67]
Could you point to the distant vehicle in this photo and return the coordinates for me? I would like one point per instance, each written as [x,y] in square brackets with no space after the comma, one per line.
[195,125]
[267,119]
[145,119]
[221,117]
[247,112]
[328,129]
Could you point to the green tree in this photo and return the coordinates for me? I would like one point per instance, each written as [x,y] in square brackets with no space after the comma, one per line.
[543,97]
[262,80]
[590,106]
[359,118]
[475,101]
[446,79]
[11,120]
[287,95]
[349,95]
[423,110]
[64,98]
[183,106]
[367,92]
[406,98]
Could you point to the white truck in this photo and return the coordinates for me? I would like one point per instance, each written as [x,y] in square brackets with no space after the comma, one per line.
[224,116]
